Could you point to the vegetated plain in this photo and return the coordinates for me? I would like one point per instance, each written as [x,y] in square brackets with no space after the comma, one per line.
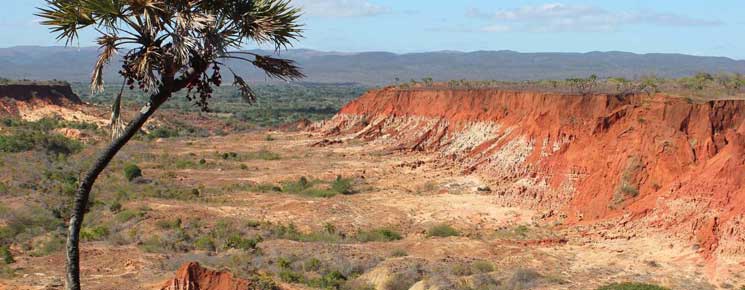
[267,205]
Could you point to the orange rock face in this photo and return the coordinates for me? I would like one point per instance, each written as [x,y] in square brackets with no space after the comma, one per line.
[652,162]
[192,276]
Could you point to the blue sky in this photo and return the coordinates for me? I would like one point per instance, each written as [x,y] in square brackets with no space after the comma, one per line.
[684,26]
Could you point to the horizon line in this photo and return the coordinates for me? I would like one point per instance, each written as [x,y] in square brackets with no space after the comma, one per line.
[422,52]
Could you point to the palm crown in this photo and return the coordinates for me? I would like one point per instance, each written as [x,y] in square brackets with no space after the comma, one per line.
[159,39]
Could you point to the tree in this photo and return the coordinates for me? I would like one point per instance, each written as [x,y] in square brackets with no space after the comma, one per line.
[167,46]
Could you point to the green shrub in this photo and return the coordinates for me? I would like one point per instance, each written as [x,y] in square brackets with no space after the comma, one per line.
[132,171]
[378,235]
[15,144]
[631,286]
[332,280]
[51,143]
[162,132]
[264,282]
[7,255]
[290,276]
[312,265]
[237,242]
[94,234]
[442,231]
[205,243]
[48,247]
[402,281]
[297,187]
[115,206]
[152,245]
[342,185]
[169,224]
[482,266]
[128,215]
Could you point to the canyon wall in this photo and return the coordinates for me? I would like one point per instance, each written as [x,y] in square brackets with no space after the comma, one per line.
[638,161]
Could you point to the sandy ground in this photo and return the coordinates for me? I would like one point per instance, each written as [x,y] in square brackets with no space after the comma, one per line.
[395,190]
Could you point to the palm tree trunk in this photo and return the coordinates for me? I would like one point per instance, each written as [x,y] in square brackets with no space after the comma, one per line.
[83,192]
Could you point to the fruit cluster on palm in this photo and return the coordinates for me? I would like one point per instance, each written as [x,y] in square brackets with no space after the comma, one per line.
[167,46]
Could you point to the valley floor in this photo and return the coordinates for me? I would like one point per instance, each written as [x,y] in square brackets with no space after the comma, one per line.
[492,247]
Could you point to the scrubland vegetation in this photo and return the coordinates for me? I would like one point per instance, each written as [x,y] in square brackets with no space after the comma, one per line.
[276,105]
[702,86]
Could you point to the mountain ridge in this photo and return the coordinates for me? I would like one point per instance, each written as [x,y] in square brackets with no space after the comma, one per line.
[380,67]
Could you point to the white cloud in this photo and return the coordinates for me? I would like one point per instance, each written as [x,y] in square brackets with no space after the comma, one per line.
[496,28]
[566,17]
[341,8]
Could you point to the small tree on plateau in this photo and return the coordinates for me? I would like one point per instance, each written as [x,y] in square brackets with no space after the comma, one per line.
[167,46]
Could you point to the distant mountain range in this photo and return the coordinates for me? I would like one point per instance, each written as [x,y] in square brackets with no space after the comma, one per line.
[377,68]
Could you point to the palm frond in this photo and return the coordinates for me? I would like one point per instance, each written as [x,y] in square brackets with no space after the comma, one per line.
[247,94]
[117,124]
[66,18]
[284,69]
[272,21]
[108,44]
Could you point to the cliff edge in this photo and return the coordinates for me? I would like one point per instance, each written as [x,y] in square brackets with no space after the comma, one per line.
[617,164]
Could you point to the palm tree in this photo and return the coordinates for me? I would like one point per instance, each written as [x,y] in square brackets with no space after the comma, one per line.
[168,46]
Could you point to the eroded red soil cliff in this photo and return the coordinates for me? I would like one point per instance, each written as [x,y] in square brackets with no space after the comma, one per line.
[192,276]
[11,96]
[640,161]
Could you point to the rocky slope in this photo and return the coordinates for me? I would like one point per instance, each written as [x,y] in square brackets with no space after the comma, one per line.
[617,164]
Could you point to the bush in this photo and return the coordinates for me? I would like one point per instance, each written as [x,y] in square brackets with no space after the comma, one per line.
[115,206]
[132,171]
[48,247]
[402,281]
[312,265]
[128,215]
[205,243]
[332,280]
[15,144]
[169,224]
[482,267]
[162,132]
[342,185]
[631,286]
[378,235]
[7,255]
[290,276]
[94,234]
[442,231]
[52,143]
[237,242]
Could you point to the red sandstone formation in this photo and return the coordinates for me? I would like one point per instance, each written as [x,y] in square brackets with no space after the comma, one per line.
[192,276]
[35,96]
[653,162]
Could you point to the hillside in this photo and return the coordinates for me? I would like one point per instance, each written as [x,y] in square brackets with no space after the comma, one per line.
[378,68]
[624,166]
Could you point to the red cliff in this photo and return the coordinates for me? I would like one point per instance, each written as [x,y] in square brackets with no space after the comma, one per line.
[35,95]
[640,161]
[192,276]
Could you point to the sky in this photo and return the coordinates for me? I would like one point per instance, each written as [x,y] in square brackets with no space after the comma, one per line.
[712,28]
